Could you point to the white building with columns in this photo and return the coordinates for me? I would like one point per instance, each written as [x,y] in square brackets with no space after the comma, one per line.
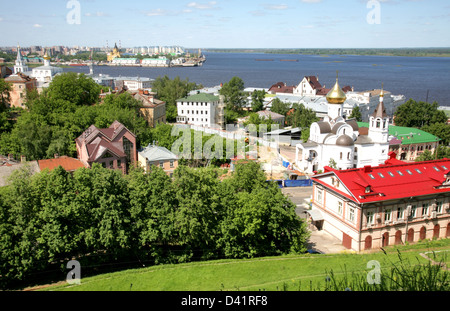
[338,142]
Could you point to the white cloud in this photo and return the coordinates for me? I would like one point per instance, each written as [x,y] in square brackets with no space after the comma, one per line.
[311,1]
[156,12]
[277,7]
[1,19]
[37,25]
[202,6]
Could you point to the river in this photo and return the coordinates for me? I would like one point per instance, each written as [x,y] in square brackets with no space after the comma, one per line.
[419,78]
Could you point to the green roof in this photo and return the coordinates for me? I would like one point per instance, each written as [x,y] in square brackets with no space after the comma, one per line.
[200,98]
[408,135]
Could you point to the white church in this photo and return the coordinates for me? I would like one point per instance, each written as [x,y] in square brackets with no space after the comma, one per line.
[43,74]
[338,142]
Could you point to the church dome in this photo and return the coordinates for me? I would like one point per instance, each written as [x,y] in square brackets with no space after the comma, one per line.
[336,95]
[345,140]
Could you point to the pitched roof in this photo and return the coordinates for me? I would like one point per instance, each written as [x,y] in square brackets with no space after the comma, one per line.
[200,98]
[314,82]
[281,87]
[67,163]
[157,153]
[393,180]
[267,113]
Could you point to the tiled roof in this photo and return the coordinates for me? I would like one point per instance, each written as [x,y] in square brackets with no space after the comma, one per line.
[67,163]
[394,180]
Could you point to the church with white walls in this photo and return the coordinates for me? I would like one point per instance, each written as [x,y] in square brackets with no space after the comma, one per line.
[340,143]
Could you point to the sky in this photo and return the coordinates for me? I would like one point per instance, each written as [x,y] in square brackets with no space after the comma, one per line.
[227,23]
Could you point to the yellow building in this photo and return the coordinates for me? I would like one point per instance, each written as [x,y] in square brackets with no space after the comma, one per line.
[115,53]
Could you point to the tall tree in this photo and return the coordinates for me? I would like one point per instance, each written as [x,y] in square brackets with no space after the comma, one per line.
[418,114]
[75,88]
[234,95]
[258,100]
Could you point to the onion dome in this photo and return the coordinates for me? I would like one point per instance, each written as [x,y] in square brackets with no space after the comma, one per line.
[336,95]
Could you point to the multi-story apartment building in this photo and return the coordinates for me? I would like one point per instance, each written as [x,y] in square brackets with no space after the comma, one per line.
[373,207]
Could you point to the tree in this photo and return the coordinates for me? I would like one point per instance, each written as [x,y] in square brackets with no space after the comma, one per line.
[279,107]
[234,95]
[425,156]
[356,114]
[258,100]
[418,114]
[441,130]
[75,88]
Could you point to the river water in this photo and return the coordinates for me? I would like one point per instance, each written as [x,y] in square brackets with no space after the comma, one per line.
[419,78]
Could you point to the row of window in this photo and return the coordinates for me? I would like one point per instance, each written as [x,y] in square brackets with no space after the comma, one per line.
[196,104]
[193,112]
[401,212]
[419,148]
[161,164]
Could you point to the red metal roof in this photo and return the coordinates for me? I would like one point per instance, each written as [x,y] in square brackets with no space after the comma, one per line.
[393,180]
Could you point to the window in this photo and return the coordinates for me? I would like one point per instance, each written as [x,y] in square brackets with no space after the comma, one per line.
[351,214]
[370,218]
[161,164]
[400,173]
[381,175]
[391,174]
[444,167]
[171,164]
[119,163]
[413,211]
[439,207]
[436,169]
[425,209]
[340,208]
[371,176]
[418,171]
[400,213]
[387,214]
[319,196]
[409,172]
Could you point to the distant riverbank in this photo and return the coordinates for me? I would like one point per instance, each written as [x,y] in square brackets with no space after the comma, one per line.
[405,52]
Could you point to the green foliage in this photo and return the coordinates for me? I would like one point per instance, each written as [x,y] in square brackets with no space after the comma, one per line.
[258,100]
[54,215]
[170,90]
[233,93]
[254,121]
[425,156]
[279,107]
[441,130]
[52,123]
[418,114]
[75,88]
[356,114]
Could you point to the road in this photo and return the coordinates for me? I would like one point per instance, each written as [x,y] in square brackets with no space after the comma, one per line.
[319,240]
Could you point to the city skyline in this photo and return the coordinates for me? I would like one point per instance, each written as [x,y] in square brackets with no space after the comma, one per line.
[229,24]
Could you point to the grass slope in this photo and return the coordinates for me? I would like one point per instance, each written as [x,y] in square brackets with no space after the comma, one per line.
[306,272]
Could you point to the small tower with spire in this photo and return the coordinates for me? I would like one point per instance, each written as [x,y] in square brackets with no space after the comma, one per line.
[379,122]
[20,65]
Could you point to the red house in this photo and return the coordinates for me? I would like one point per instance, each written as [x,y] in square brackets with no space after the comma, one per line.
[394,203]
[113,147]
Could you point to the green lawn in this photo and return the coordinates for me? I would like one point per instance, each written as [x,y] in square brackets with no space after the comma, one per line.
[306,272]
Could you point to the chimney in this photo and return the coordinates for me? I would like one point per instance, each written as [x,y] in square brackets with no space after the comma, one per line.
[367,169]
[56,156]
[23,159]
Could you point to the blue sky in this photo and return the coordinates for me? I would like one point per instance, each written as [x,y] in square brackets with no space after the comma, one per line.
[228,23]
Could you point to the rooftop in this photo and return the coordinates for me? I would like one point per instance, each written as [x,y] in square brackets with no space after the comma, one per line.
[200,98]
[393,180]
[67,163]
[408,135]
